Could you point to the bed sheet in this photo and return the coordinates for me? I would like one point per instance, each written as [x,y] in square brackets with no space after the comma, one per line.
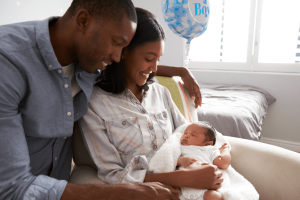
[235,110]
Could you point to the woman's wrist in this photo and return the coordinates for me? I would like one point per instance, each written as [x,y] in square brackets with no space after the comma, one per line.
[174,178]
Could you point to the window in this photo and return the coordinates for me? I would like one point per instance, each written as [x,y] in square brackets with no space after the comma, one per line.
[251,35]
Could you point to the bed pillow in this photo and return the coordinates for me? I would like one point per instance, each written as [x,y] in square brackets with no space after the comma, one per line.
[235,110]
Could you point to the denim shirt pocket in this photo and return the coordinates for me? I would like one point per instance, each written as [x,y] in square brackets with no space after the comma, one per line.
[164,122]
[125,134]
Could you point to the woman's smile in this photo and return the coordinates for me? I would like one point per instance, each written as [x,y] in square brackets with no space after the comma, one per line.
[145,74]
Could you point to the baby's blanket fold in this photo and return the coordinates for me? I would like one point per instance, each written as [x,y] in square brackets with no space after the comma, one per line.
[236,187]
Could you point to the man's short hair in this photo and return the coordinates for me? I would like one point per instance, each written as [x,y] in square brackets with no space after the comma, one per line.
[105,9]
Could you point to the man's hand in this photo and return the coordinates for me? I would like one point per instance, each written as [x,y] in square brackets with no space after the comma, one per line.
[192,86]
[141,191]
[186,161]
[202,176]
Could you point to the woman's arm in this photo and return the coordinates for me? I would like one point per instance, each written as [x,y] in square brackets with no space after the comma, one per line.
[223,161]
[188,79]
[197,176]
[111,168]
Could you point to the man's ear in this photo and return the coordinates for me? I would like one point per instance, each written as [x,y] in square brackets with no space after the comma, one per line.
[124,51]
[209,143]
[83,20]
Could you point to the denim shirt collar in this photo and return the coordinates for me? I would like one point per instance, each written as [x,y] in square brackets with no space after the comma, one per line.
[44,44]
[85,80]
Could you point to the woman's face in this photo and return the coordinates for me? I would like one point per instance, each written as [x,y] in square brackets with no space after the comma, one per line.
[141,62]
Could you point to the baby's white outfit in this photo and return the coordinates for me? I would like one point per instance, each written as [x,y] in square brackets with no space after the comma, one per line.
[234,185]
[204,154]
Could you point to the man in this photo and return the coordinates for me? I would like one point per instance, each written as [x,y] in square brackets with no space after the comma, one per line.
[44,66]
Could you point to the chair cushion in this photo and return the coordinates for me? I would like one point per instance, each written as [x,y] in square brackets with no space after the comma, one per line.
[180,96]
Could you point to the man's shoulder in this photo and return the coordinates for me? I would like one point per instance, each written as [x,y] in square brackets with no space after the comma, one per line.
[17,37]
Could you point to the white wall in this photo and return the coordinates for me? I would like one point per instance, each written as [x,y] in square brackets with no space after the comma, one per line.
[174,44]
[12,11]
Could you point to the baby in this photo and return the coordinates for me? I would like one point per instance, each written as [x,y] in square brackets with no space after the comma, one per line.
[197,145]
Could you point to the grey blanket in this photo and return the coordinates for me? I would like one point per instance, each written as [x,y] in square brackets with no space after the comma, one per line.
[235,110]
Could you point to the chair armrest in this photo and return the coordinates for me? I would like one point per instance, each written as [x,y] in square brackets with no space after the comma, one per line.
[272,170]
[85,174]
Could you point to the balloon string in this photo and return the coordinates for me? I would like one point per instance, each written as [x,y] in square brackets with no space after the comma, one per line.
[187,56]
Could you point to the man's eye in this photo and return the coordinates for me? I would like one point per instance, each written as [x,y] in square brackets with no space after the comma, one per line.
[148,60]
[117,44]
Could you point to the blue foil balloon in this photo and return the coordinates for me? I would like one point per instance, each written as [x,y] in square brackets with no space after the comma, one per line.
[186,18]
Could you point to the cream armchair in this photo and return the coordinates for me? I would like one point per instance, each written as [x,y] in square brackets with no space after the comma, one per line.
[274,171]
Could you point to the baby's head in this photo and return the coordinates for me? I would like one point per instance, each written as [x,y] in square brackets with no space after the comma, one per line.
[199,134]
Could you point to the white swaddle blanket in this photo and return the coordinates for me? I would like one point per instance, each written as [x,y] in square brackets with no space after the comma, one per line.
[234,186]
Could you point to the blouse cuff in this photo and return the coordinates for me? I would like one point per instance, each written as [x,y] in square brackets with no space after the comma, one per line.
[135,171]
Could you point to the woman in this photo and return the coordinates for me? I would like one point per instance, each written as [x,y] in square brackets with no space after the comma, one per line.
[129,118]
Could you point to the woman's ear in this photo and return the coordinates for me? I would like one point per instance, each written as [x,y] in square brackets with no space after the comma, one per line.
[209,143]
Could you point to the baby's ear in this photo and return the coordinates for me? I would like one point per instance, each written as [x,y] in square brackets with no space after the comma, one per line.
[209,143]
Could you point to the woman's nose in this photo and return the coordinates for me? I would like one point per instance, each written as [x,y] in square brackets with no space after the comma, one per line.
[153,67]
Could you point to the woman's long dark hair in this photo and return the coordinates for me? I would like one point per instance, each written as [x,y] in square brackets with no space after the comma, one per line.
[113,78]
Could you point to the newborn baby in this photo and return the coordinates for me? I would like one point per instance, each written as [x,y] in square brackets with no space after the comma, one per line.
[197,145]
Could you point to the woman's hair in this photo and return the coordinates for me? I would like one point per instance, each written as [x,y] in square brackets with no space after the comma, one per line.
[211,133]
[113,78]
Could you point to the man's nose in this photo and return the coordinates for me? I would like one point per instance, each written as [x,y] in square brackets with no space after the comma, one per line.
[116,55]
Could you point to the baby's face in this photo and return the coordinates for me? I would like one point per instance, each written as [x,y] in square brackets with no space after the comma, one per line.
[193,135]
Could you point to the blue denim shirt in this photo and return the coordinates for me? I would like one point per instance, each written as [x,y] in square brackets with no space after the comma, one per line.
[37,113]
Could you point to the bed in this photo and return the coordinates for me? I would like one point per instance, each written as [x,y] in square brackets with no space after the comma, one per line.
[235,110]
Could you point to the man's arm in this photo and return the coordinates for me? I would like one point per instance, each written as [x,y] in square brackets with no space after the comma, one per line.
[17,181]
[140,191]
[188,79]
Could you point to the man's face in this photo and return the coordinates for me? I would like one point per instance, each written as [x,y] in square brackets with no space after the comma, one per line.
[103,43]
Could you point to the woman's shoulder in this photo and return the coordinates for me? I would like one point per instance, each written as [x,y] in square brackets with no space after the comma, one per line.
[159,87]
[99,93]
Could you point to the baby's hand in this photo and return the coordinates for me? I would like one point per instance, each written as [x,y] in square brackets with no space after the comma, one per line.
[224,146]
[186,161]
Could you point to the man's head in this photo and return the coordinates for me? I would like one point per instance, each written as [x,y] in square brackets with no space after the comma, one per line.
[199,134]
[102,28]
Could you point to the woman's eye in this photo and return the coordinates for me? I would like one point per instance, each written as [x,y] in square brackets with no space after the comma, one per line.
[148,60]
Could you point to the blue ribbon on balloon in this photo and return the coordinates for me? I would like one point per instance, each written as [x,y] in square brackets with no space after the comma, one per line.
[186,18]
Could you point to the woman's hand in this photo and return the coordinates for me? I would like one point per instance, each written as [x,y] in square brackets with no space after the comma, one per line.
[192,86]
[187,77]
[186,161]
[202,176]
